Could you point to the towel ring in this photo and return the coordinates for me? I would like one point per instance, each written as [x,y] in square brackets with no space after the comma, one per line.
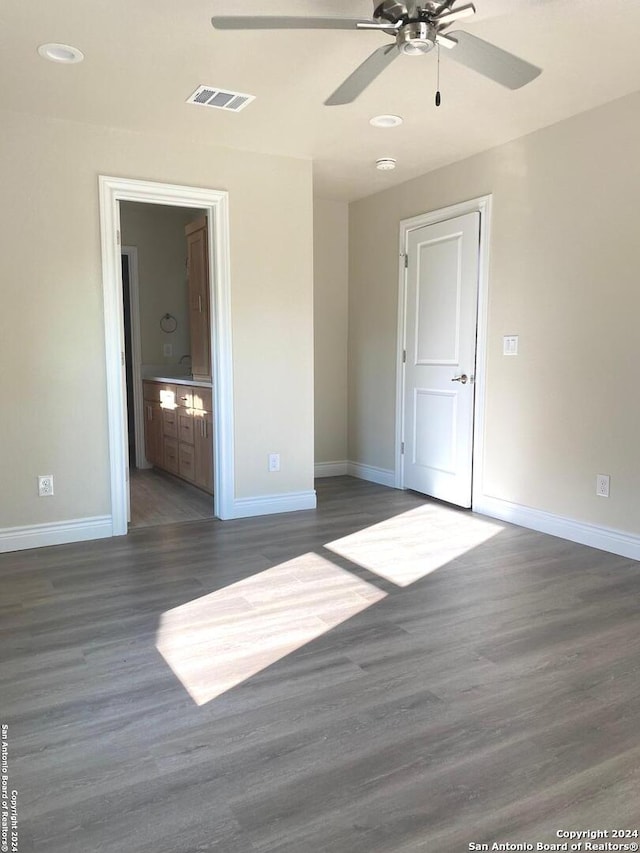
[168,323]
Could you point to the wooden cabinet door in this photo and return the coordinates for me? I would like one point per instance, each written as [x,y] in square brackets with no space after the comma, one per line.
[153,433]
[186,461]
[199,314]
[203,451]
[170,454]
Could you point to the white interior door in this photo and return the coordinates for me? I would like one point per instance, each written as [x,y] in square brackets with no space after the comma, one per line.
[440,343]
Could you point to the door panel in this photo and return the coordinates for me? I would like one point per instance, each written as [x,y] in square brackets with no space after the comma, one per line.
[441,319]
[435,430]
[437,303]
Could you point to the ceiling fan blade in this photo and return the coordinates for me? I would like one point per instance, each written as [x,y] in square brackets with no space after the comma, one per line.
[492,61]
[375,25]
[272,22]
[363,76]
[456,14]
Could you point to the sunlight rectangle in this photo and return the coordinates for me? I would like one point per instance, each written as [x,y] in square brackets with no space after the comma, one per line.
[411,545]
[219,640]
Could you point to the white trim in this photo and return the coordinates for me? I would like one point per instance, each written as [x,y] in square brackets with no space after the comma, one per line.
[136,354]
[481,205]
[216,205]
[485,206]
[330,469]
[382,476]
[272,504]
[55,533]
[604,538]
[398,479]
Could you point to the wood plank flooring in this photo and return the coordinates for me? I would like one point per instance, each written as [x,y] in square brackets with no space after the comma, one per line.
[158,498]
[382,675]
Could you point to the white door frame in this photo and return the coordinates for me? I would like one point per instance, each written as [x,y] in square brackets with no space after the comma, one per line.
[483,206]
[216,204]
[136,354]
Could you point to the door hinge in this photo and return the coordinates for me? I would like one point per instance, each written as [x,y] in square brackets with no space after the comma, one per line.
[122,358]
[406,261]
[404,356]
[402,448]
[118,236]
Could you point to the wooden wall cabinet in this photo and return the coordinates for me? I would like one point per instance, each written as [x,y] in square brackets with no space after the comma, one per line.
[199,310]
[179,431]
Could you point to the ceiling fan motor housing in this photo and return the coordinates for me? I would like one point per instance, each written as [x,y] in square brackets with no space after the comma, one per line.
[413,10]
[416,38]
[390,10]
[417,31]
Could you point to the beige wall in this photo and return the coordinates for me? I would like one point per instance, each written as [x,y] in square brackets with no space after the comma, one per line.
[157,232]
[330,289]
[52,367]
[564,268]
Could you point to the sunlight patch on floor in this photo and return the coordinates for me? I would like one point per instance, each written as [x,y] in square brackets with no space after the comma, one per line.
[220,640]
[410,546]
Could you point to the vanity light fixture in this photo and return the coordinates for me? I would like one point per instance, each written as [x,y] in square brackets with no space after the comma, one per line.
[62,53]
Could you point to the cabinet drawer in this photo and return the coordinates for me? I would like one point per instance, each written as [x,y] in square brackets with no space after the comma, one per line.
[185,396]
[187,461]
[194,397]
[170,422]
[201,399]
[159,392]
[185,426]
[171,455]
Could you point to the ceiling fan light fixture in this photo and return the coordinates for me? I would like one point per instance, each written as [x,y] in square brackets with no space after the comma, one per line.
[385,164]
[416,48]
[386,121]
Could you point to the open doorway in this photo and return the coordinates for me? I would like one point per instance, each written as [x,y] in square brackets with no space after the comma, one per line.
[114,191]
[167,334]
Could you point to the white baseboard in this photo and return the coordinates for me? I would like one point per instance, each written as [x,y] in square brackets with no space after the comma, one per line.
[271,504]
[330,469]
[55,533]
[382,476]
[607,539]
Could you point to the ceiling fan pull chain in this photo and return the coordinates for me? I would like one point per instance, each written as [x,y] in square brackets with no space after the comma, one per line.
[438,96]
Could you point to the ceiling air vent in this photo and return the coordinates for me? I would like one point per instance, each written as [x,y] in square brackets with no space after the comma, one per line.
[210,96]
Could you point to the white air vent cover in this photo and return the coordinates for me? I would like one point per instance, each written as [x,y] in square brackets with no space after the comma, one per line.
[221,99]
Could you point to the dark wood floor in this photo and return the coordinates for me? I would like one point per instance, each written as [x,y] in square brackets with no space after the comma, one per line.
[382,674]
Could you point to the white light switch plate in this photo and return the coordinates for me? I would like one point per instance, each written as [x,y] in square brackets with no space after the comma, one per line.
[510,345]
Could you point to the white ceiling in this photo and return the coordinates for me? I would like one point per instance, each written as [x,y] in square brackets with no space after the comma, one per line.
[145,57]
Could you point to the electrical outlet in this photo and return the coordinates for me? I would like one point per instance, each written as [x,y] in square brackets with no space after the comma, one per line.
[167,350]
[602,485]
[274,462]
[45,485]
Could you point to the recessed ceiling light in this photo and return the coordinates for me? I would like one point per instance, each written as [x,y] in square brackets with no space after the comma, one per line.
[386,121]
[64,53]
[385,164]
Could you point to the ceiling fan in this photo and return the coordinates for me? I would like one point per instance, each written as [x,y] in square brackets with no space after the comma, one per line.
[417,28]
